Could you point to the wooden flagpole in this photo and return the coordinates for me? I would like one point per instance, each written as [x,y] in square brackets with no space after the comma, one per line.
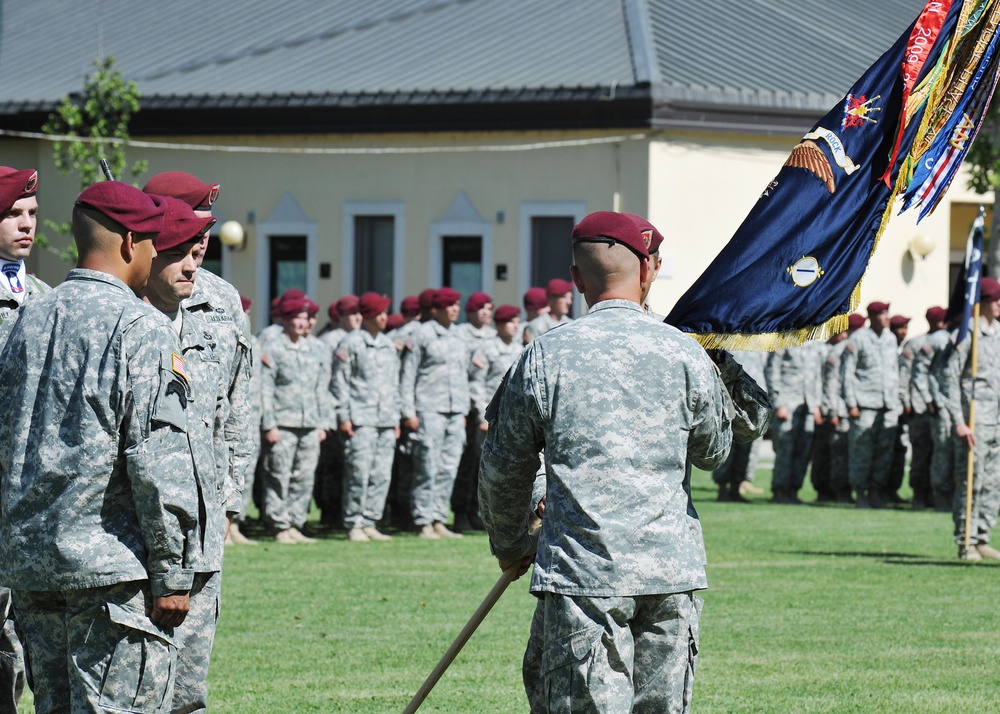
[506,578]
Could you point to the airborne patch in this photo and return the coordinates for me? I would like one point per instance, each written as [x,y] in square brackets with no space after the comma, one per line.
[177,364]
[479,362]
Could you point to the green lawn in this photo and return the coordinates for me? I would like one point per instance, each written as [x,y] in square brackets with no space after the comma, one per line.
[811,609]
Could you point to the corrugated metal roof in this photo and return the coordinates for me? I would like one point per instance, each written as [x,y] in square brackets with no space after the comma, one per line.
[780,54]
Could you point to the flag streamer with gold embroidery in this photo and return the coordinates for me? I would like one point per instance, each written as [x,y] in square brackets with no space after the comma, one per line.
[793,270]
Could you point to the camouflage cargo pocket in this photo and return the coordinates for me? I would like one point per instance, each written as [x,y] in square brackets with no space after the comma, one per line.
[140,672]
[566,666]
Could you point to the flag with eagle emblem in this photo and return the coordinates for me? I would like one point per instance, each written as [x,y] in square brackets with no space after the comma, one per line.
[793,270]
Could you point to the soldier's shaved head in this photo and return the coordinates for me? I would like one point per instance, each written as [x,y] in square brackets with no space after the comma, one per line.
[95,233]
[105,245]
[605,271]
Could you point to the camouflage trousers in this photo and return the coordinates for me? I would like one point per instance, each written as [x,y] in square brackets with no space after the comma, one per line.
[943,456]
[367,474]
[437,448]
[612,654]
[251,477]
[11,657]
[792,439]
[95,650]
[829,460]
[869,448]
[195,638]
[465,495]
[985,485]
[740,465]
[922,446]
[288,485]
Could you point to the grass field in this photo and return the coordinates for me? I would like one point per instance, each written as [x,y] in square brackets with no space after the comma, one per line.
[811,609]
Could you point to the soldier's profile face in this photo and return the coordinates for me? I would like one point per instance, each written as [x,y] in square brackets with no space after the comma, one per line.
[562,304]
[352,322]
[173,272]
[510,327]
[17,229]
[204,238]
[298,326]
[485,314]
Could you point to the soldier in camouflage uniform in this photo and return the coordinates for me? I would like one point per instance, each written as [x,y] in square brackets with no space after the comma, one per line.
[476,331]
[297,410]
[869,377]
[434,388]
[921,421]
[792,387]
[928,376]
[830,463]
[560,303]
[18,219]
[399,503]
[735,477]
[960,387]
[218,303]
[366,392]
[900,326]
[100,512]
[536,303]
[820,474]
[623,381]
[206,348]
[236,536]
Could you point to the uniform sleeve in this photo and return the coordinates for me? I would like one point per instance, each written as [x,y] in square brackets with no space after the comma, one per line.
[848,375]
[751,407]
[326,405]
[479,366]
[711,434]
[268,374]
[158,457]
[831,384]
[408,379]
[949,369]
[343,362]
[905,372]
[772,376]
[920,373]
[510,459]
[238,428]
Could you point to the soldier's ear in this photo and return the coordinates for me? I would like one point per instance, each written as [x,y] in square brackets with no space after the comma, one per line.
[643,271]
[128,246]
[577,279]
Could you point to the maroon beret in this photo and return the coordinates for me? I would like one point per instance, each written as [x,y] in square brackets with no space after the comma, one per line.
[15,185]
[855,320]
[311,307]
[445,297]
[291,305]
[136,211]
[989,290]
[611,227]
[426,298]
[898,321]
[373,304]
[177,184]
[348,305]
[245,302]
[558,287]
[936,314]
[395,321]
[477,301]
[410,307]
[648,231]
[506,313]
[180,225]
[874,308]
[332,312]
[535,299]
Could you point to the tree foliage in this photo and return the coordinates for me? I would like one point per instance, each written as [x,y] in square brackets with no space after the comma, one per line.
[984,175]
[100,116]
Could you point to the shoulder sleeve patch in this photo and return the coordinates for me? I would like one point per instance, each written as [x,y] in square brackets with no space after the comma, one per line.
[851,347]
[408,343]
[265,359]
[177,364]
[342,355]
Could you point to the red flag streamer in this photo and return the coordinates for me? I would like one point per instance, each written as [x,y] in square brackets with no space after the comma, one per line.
[922,39]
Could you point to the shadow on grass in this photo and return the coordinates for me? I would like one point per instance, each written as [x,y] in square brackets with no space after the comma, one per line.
[908,559]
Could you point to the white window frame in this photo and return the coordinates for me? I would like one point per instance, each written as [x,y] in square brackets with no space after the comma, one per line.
[529,210]
[283,228]
[352,209]
[440,230]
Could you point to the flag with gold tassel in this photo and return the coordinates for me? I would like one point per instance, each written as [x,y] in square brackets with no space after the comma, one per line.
[793,270]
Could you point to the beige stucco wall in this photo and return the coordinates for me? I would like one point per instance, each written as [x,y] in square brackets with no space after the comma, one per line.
[696,187]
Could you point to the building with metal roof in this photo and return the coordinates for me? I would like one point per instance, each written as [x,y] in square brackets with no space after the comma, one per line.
[470,120]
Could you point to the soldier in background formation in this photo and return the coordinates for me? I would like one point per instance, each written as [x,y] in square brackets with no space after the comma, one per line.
[559,295]
[735,477]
